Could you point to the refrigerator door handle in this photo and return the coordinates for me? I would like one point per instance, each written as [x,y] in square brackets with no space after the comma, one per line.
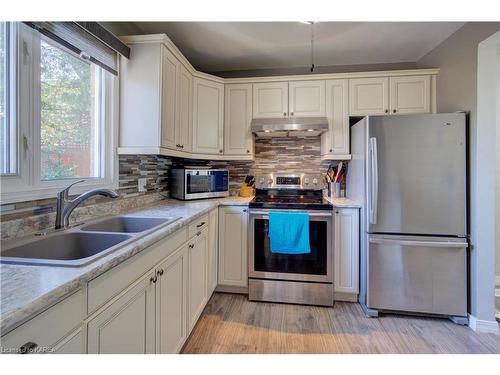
[448,244]
[373,180]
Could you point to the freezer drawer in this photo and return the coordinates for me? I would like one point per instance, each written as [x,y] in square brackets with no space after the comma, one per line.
[417,274]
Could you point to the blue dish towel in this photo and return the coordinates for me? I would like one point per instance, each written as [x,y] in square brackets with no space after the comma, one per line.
[289,232]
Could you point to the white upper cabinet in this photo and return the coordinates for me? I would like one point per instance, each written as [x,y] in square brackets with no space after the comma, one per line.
[270,100]
[335,142]
[368,96]
[208,117]
[238,139]
[170,68]
[184,133]
[306,98]
[410,94]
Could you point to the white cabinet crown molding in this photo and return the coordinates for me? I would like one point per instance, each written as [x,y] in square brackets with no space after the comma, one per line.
[163,38]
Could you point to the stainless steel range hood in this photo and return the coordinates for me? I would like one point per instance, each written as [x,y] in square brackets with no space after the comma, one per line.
[289,127]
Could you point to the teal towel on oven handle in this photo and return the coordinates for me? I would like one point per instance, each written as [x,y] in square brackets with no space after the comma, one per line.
[289,232]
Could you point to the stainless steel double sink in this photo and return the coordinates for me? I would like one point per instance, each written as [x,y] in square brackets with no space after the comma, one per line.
[79,246]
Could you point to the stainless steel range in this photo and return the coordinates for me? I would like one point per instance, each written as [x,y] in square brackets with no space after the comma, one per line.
[291,278]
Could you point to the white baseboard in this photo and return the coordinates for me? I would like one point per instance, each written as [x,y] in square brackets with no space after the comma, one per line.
[486,326]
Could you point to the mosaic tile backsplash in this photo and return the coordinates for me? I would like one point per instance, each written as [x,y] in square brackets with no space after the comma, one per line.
[272,155]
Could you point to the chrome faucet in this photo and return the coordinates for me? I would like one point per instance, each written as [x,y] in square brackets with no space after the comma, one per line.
[65,206]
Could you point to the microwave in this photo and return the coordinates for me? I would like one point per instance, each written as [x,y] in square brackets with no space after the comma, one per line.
[197,183]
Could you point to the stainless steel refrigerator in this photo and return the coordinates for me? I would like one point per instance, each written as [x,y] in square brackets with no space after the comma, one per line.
[409,171]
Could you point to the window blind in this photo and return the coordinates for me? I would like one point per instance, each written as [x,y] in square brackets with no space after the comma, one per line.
[89,40]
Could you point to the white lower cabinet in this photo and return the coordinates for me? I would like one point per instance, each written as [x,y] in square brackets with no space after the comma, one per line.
[213,236]
[233,233]
[72,344]
[197,284]
[48,331]
[127,325]
[171,302]
[346,253]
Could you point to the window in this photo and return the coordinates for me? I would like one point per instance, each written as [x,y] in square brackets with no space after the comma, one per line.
[70,97]
[66,127]
[7,134]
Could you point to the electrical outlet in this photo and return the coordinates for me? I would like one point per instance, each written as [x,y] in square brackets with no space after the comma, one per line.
[141,185]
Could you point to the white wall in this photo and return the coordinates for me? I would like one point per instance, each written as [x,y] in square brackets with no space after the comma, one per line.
[457,89]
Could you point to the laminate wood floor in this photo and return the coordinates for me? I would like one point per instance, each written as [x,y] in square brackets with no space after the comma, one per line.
[232,324]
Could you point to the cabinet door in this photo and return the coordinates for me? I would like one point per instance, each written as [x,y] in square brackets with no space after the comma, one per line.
[368,96]
[270,100]
[213,235]
[306,98]
[238,138]
[346,250]
[233,232]
[208,116]
[169,80]
[171,307]
[197,295]
[127,325]
[410,94]
[184,132]
[336,139]
[72,344]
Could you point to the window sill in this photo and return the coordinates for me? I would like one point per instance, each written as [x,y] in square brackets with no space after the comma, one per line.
[51,192]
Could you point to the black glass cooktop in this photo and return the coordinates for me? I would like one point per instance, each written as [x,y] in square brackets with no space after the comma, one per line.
[290,199]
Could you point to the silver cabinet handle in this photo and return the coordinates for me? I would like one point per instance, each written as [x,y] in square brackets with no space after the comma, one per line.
[201,224]
[160,272]
[393,111]
[28,347]
[311,214]
[374,180]
[384,241]
[284,114]
[245,210]
[153,279]
[191,245]
[291,113]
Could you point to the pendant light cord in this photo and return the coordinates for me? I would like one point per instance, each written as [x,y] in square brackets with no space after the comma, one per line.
[312,46]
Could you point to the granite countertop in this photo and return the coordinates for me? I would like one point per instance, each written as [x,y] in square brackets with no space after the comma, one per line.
[343,202]
[27,290]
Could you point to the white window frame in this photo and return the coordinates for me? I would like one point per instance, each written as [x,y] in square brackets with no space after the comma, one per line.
[26,185]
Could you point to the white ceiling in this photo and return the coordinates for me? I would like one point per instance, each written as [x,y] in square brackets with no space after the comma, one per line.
[224,46]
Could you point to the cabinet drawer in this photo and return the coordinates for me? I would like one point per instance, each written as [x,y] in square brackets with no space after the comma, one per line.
[198,225]
[49,327]
[112,282]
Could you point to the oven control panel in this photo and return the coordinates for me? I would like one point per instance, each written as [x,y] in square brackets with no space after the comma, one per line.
[289,181]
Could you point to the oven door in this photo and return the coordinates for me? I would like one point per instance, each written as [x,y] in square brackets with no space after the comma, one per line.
[207,183]
[315,266]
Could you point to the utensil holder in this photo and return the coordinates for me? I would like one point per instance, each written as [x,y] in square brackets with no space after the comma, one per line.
[334,189]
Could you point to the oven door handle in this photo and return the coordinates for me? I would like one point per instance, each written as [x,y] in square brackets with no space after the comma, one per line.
[312,214]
